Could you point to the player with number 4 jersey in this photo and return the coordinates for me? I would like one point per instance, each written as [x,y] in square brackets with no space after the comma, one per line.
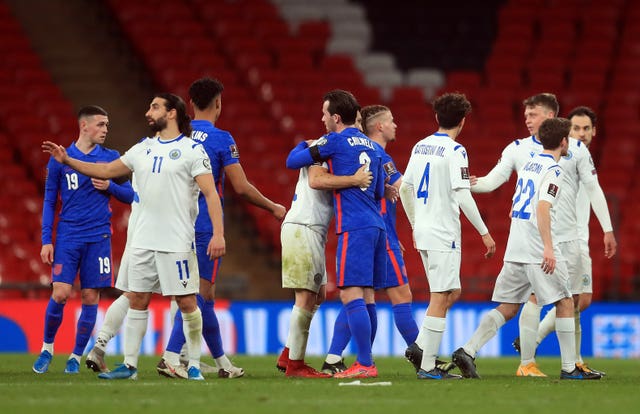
[435,188]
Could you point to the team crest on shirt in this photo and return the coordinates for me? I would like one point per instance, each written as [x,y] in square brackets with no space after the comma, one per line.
[233,149]
[389,168]
[175,154]
[568,156]
[464,173]
[552,190]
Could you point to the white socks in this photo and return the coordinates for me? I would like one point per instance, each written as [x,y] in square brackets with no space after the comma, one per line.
[547,325]
[565,329]
[489,325]
[112,322]
[223,362]
[578,334]
[134,331]
[528,324]
[192,328]
[298,333]
[433,328]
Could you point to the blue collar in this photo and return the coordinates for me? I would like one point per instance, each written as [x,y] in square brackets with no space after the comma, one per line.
[178,138]
[535,139]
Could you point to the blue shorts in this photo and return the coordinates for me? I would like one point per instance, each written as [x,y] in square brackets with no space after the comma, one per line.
[92,260]
[396,272]
[208,268]
[361,254]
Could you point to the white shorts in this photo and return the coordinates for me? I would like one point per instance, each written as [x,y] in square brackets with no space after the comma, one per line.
[579,275]
[517,281]
[443,269]
[586,277]
[303,258]
[175,273]
[122,281]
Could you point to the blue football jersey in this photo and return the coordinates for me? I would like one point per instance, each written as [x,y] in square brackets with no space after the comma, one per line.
[345,152]
[85,214]
[222,151]
[387,208]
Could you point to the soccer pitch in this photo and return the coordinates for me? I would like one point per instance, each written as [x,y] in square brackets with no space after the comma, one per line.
[265,390]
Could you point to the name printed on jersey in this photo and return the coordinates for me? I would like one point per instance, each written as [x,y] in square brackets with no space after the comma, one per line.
[353,141]
[423,149]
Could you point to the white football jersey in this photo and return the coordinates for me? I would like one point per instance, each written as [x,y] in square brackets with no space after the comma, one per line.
[438,165]
[578,169]
[583,212]
[516,155]
[313,208]
[165,175]
[577,166]
[541,178]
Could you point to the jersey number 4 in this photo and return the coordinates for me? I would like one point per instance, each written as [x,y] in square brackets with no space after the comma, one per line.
[522,202]
[423,188]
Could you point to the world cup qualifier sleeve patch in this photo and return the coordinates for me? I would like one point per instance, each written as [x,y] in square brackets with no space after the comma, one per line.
[234,151]
[389,168]
[464,173]
[552,190]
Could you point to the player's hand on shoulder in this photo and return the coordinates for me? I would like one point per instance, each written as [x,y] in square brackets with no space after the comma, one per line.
[99,184]
[279,211]
[490,244]
[363,177]
[46,254]
[217,247]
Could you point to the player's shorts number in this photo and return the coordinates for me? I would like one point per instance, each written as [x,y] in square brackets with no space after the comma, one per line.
[105,265]
[183,269]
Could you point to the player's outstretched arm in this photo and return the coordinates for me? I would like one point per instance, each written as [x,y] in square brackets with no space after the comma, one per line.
[250,193]
[489,182]
[321,179]
[217,244]
[113,169]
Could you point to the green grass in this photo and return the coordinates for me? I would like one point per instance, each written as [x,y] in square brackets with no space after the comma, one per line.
[265,390]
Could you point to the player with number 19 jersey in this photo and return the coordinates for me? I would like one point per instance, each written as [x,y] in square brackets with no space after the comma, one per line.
[437,166]
[539,179]
[165,172]
[85,215]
